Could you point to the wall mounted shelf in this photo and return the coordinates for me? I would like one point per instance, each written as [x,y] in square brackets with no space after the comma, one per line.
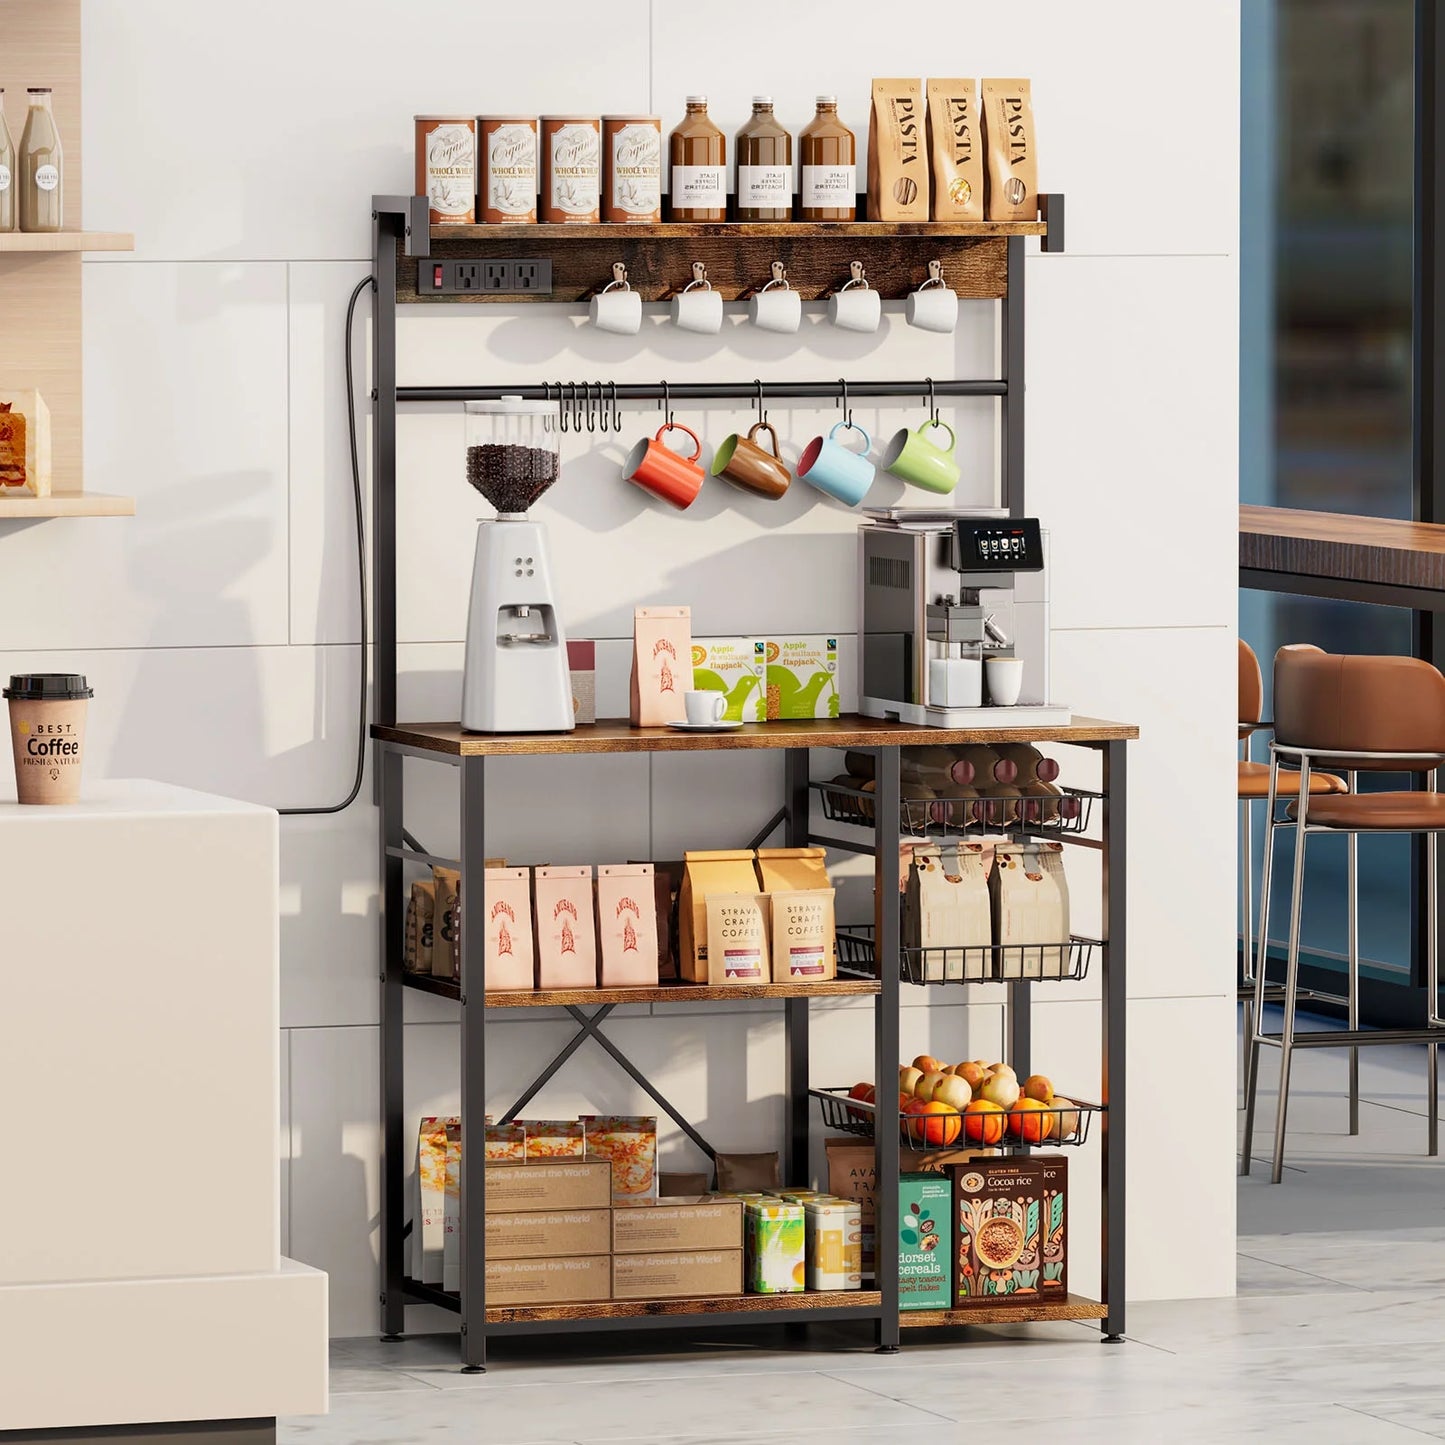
[27,242]
[65,504]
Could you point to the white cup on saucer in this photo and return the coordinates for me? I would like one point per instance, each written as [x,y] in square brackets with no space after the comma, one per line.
[704,709]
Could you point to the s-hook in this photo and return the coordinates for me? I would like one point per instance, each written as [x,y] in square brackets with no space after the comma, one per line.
[616,410]
[932,404]
[579,395]
[762,412]
[843,405]
[592,417]
[562,404]
[666,404]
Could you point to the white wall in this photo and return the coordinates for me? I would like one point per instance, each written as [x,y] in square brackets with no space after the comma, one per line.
[219,626]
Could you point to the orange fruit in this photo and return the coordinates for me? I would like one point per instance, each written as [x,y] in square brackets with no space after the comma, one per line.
[983,1122]
[1038,1086]
[1031,1120]
[935,1125]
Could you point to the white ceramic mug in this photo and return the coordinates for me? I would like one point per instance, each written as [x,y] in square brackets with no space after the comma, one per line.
[617,307]
[697,307]
[857,307]
[777,307]
[933,307]
[704,708]
[1005,677]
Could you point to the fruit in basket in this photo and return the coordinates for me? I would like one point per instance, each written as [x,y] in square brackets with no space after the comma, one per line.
[866,1093]
[933,1124]
[927,1064]
[1000,1089]
[954,1092]
[1003,1069]
[1031,1121]
[1066,1117]
[908,1078]
[927,1084]
[1037,1086]
[983,1122]
[972,1073]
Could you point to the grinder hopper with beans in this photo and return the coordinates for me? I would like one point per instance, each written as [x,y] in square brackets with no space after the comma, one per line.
[516,676]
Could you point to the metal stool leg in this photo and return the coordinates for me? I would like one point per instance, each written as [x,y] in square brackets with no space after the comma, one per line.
[1246,892]
[1291,976]
[1352,843]
[1260,966]
[1432,975]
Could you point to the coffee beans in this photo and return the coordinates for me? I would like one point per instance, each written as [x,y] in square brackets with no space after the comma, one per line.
[511,478]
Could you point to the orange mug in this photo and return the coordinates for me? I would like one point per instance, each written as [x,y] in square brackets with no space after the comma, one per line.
[665,473]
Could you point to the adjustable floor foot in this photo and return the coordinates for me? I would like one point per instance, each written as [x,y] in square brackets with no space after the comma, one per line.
[391,1339]
[474,1369]
[885,1350]
[1112,1340]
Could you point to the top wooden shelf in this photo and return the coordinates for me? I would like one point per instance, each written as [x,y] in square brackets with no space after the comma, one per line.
[1380,551]
[32,241]
[738,230]
[618,736]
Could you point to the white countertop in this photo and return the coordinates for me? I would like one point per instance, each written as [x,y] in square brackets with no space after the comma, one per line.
[123,798]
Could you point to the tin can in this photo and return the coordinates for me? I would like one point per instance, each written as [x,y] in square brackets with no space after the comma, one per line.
[632,153]
[571,168]
[446,167]
[507,151]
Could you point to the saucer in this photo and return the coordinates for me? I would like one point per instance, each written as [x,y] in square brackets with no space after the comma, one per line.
[707,727]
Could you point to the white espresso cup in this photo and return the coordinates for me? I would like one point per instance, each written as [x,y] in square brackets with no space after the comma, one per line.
[857,307]
[704,708]
[617,307]
[777,307]
[933,307]
[1005,677]
[697,307]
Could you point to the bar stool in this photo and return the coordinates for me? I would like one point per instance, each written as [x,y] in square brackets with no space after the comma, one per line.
[1358,714]
[1253,787]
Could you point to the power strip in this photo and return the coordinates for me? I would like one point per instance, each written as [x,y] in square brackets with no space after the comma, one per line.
[484,278]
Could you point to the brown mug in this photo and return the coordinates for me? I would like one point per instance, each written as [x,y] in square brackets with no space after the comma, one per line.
[744,463]
[665,473]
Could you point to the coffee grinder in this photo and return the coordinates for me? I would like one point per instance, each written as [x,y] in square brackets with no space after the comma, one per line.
[516,678]
[940,593]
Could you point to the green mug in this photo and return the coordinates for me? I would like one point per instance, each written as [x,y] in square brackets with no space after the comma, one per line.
[914,458]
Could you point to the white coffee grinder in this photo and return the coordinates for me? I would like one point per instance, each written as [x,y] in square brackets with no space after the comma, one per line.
[516,678]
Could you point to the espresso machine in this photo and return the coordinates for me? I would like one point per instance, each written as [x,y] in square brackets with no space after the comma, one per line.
[940,593]
[516,678]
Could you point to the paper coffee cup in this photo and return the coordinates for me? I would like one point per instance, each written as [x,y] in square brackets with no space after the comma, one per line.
[47,733]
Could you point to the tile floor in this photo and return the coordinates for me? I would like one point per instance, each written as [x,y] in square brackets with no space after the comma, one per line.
[1337,1336]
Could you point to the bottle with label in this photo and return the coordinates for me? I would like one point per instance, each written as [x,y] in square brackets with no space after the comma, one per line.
[765,166]
[697,166]
[41,167]
[829,183]
[7,172]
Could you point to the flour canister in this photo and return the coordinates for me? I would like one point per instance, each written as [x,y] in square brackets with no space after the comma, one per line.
[446,167]
[571,168]
[507,156]
[632,155]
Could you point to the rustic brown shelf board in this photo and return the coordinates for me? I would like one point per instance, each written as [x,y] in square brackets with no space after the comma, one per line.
[760,1304]
[39,241]
[617,736]
[1381,550]
[664,993]
[739,230]
[66,504]
[1071,1307]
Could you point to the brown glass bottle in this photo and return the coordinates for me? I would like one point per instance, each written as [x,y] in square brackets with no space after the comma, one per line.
[829,190]
[765,166]
[697,166]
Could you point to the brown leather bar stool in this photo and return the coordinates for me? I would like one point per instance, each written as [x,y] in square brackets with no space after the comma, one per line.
[1254,788]
[1356,714]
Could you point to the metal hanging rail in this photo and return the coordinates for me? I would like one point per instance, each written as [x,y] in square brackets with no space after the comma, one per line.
[712,390]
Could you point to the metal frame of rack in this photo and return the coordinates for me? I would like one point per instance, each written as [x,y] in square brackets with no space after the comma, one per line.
[400,228]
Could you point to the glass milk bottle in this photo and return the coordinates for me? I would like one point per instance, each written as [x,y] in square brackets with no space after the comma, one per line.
[697,166]
[7,172]
[41,167]
[765,166]
[829,184]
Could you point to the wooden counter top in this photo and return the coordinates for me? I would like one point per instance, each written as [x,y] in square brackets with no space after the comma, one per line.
[1378,550]
[618,736]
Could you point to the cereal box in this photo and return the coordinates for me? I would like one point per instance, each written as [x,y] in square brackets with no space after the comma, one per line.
[802,678]
[1008,1222]
[925,1204]
[737,668]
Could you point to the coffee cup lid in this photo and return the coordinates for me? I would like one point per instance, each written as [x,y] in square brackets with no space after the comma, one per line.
[48,687]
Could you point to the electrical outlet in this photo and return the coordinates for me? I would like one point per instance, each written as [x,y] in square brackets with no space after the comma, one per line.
[488,278]
[496,275]
[467,276]
[532,276]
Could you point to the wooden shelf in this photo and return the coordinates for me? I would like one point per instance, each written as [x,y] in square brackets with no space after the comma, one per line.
[31,241]
[664,993]
[617,736]
[66,504]
[822,1302]
[739,230]
[1071,1307]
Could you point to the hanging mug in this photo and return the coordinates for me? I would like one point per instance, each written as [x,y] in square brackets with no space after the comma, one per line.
[617,307]
[697,307]
[856,306]
[913,457]
[667,474]
[746,464]
[835,469]
[777,307]
[933,307]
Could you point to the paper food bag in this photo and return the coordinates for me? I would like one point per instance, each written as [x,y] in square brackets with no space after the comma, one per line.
[955,143]
[507,946]
[627,925]
[737,938]
[1031,906]
[804,936]
[24,444]
[704,873]
[1013,163]
[446,924]
[566,927]
[661,665]
[897,154]
[946,907]
[429,1223]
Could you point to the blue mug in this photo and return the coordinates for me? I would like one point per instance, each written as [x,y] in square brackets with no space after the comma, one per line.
[835,469]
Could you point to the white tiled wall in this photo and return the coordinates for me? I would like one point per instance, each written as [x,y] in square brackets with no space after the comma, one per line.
[219,625]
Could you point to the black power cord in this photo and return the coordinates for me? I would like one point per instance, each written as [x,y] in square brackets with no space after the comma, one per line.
[350,798]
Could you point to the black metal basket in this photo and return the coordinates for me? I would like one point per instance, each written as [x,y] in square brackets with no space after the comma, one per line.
[1067,812]
[1018,1129]
[981,963]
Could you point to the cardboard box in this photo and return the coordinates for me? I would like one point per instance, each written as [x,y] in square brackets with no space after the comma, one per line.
[802,677]
[543,1233]
[582,667]
[925,1264]
[999,1209]
[549,1281]
[514,1188]
[643,1227]
[737,668]
[1054,1226]
[677,1275]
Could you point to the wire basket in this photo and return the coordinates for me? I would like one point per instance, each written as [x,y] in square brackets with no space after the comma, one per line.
[980,963]
[1046,1128]
[1066,812]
